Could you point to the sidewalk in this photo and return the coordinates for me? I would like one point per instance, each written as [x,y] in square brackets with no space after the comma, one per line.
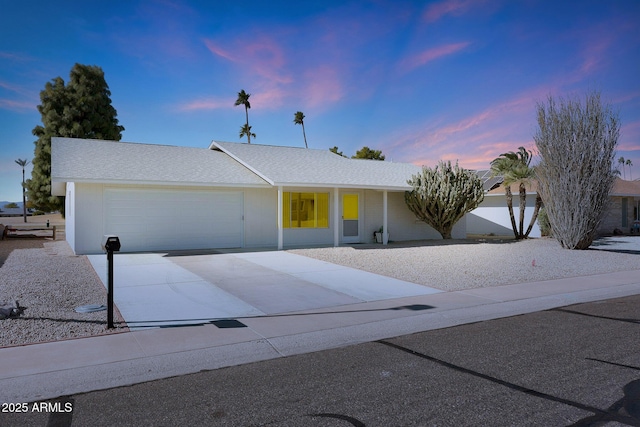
[48,370]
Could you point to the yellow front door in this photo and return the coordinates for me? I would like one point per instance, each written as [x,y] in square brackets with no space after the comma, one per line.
[350,218]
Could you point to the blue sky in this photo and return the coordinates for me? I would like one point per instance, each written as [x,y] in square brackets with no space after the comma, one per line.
[421,81]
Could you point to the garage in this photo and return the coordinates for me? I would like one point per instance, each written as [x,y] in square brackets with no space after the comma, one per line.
[172,219]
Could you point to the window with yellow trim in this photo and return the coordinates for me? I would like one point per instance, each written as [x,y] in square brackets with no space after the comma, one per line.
[305,210]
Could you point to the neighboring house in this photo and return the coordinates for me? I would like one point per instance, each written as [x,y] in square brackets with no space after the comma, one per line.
[492,216]
[231,195]
[623,208]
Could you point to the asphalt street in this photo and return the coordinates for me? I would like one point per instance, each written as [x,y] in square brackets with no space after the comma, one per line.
[572,366]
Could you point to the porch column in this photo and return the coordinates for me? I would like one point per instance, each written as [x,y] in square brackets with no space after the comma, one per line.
[385,237]
[280,236]
[336,218]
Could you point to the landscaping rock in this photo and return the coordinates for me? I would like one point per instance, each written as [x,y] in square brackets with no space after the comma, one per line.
[8,309]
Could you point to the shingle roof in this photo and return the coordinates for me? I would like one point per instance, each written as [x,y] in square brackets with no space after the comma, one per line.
[621,188]
[83,160]
[292,166]
[223,164]
[624,188]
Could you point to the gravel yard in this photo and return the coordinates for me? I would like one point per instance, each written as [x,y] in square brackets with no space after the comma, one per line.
[50,281]
[466,264]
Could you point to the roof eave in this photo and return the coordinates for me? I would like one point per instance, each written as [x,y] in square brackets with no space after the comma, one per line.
[215,145]
[158,183]
[347,186]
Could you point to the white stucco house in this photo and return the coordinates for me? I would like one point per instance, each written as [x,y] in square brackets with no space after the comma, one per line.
[230,195]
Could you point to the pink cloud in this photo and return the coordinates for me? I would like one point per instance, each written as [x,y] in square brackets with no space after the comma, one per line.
[217,50]
[429,55]
[436,11]
[205,104]
[265,98]
[322,86]
[15,56]
[594,55]
[626,97]
[15,88]
[261,56]
[629,136]
[17,106]
[268,98]
[473,140]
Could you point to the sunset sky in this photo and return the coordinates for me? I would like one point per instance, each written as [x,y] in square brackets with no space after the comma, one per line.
[420,80]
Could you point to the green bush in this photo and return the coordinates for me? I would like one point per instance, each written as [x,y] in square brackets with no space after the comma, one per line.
[11,206]
[543,222]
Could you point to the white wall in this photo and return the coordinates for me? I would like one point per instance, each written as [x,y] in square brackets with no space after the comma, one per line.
[70,215]
[90,210]
[492,216]
[260,217]
[402,223]
[86,210]
[89,222]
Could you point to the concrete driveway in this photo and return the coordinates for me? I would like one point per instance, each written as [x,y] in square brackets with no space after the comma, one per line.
[171,289]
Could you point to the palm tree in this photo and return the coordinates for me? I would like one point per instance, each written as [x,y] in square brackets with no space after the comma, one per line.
[298,119]
[629,163]
[23,163]
[515,167]
[243,99]
[621,162]
[246,130]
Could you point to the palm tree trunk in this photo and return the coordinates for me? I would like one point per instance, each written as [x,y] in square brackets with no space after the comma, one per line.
[246,112]
[536,209]
[305,136]
[24,198]
[523,206]
[507,192]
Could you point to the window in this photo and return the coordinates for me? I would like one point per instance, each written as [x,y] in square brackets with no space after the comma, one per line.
[305,210]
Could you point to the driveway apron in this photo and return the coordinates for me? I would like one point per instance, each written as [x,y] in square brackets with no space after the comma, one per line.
[172,289]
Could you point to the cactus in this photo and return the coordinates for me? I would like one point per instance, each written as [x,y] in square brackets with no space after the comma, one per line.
[443,195]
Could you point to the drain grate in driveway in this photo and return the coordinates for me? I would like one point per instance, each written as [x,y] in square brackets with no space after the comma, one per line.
[230,323]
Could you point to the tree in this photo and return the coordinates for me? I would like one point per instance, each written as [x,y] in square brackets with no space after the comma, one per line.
[577,143]
[443,195]
[80,109]
[500,166]
[23,163]
[335,151]
[621,162]
[243,99]
[298,119]
[515,168]
[367,153]
[246,130]
[629,163]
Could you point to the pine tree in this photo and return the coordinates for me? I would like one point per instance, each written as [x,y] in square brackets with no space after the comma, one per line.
[80,109]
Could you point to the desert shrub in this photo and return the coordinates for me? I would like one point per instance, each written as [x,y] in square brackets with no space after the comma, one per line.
[576,142]
[543,222]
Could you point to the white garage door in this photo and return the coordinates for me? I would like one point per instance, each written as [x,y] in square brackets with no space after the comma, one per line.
[148,219]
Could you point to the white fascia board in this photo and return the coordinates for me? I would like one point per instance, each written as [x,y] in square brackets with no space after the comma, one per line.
[214,144]
[348,186]
[160,183]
